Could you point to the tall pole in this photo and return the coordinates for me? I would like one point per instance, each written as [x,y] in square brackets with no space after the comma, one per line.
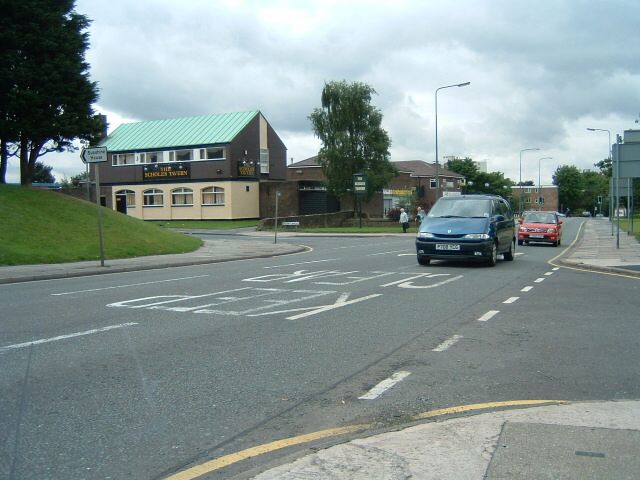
[520,181]
[96,170]
[539,182]
[436,122]
[610,161]
[275,225]
[618,139]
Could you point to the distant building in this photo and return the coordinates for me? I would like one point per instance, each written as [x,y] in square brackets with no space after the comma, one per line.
[533,198]
[204,167]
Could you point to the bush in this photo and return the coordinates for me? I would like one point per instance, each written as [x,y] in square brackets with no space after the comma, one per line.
[394,214]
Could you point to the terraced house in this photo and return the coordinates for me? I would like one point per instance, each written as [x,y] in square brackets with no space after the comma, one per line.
[199,168]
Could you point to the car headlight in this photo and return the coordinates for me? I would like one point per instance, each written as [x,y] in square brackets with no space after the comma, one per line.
[477,236]
[425,235]
[551,230]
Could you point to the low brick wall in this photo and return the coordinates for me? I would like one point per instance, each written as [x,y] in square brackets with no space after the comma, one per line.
[338,219]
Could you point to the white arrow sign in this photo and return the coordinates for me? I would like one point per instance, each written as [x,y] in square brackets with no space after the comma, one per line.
[94,155]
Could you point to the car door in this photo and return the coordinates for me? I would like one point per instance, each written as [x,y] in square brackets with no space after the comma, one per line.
[504,224]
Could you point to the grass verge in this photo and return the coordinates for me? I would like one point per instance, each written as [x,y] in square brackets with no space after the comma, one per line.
[39,226]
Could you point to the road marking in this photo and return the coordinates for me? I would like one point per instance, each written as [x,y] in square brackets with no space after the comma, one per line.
[519,253]
[484,406]
[303,263]
[538,280]
[341,302]
[218,463]
[384,385]
[447,343]
[407,283]
[488,316]
[555,269]
[527,289]
[232,458]
[548,273]
[511,300]
[129,285]
[64,337]
[384,253]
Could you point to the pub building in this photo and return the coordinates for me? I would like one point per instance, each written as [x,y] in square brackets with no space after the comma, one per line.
[196,168]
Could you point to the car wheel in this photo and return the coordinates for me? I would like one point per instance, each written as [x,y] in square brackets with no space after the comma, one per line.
[493,258]
[520,242]
[509,255]
[559,241]
[424,260]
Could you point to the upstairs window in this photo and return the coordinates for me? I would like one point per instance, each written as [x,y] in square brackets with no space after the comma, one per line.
[264,160]
[212,153]
[181,156]
[124,159]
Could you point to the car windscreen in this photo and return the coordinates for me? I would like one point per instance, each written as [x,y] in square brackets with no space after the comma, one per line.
[461,207]
[539,218]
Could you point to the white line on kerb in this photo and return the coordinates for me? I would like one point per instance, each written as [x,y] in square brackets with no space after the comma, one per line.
[447,343]
[64,337]
[384,385]
[130,285]
[527,289]
[511,300]
[489,315]
[538,280]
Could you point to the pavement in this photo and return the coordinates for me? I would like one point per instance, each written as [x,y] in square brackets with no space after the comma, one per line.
[534,439]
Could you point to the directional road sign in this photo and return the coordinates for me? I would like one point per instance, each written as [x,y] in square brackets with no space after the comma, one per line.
[94,155]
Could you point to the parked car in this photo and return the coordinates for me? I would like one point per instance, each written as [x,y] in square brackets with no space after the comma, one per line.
[467,227]
[540,227]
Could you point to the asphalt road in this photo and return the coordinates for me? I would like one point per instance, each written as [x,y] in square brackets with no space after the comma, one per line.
[138,375]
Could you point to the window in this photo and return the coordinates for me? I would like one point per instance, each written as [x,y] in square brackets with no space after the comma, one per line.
[181,156]
[432,183]
[130,195]
[151,157]
[264,160]
[153,197]
[212,153]
[124,159]
[181,196]
[213,196]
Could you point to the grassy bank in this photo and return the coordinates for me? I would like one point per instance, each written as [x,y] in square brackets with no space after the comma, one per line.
[39,226]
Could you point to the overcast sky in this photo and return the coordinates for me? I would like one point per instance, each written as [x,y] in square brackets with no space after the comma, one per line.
[540,72]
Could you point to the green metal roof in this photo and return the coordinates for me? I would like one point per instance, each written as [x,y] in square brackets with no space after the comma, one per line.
[178,132]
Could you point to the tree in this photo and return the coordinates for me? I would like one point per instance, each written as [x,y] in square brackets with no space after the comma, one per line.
[46,96]
[480,182]
[353,140]
[570,185]
[604,166]
[42,173]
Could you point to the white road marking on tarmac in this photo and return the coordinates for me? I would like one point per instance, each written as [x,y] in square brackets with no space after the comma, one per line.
[548,273]
[527,289]
[303,263]
[511,300]
[129,285]
[538,280]
[447,343]
[384,385]
[488,316]
[64,337]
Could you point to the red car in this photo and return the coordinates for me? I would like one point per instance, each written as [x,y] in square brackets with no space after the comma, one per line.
[540,227]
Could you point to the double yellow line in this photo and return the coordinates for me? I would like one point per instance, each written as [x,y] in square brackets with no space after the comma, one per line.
[225,461]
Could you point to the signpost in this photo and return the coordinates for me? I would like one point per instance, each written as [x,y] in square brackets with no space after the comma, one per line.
[96,155]
[359,189]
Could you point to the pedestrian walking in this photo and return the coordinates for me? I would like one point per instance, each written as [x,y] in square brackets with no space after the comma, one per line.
[404,220]
[419,216]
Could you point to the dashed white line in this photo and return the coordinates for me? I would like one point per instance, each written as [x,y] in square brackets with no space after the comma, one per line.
[447,343]
[511,300]
[538,280]
[64,337]
[489,315]
[548,273]
[384,385]
[555,269]
[527,289]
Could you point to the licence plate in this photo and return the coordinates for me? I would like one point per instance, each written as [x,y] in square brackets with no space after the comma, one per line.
[447,246]
[536,235]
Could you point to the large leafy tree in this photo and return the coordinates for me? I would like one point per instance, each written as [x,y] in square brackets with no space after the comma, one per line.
[570,186]
[46,96]
[480,182]
[42,173]
[353,140]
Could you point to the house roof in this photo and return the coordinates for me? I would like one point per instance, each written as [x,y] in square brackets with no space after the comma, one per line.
[178,132]
[416,168]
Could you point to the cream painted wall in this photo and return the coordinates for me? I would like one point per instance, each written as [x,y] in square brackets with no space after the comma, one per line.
[239,203]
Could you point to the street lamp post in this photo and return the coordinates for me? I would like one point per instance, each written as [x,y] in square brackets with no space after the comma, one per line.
[610,160]
[520,181]
[539,183]
[436,121]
